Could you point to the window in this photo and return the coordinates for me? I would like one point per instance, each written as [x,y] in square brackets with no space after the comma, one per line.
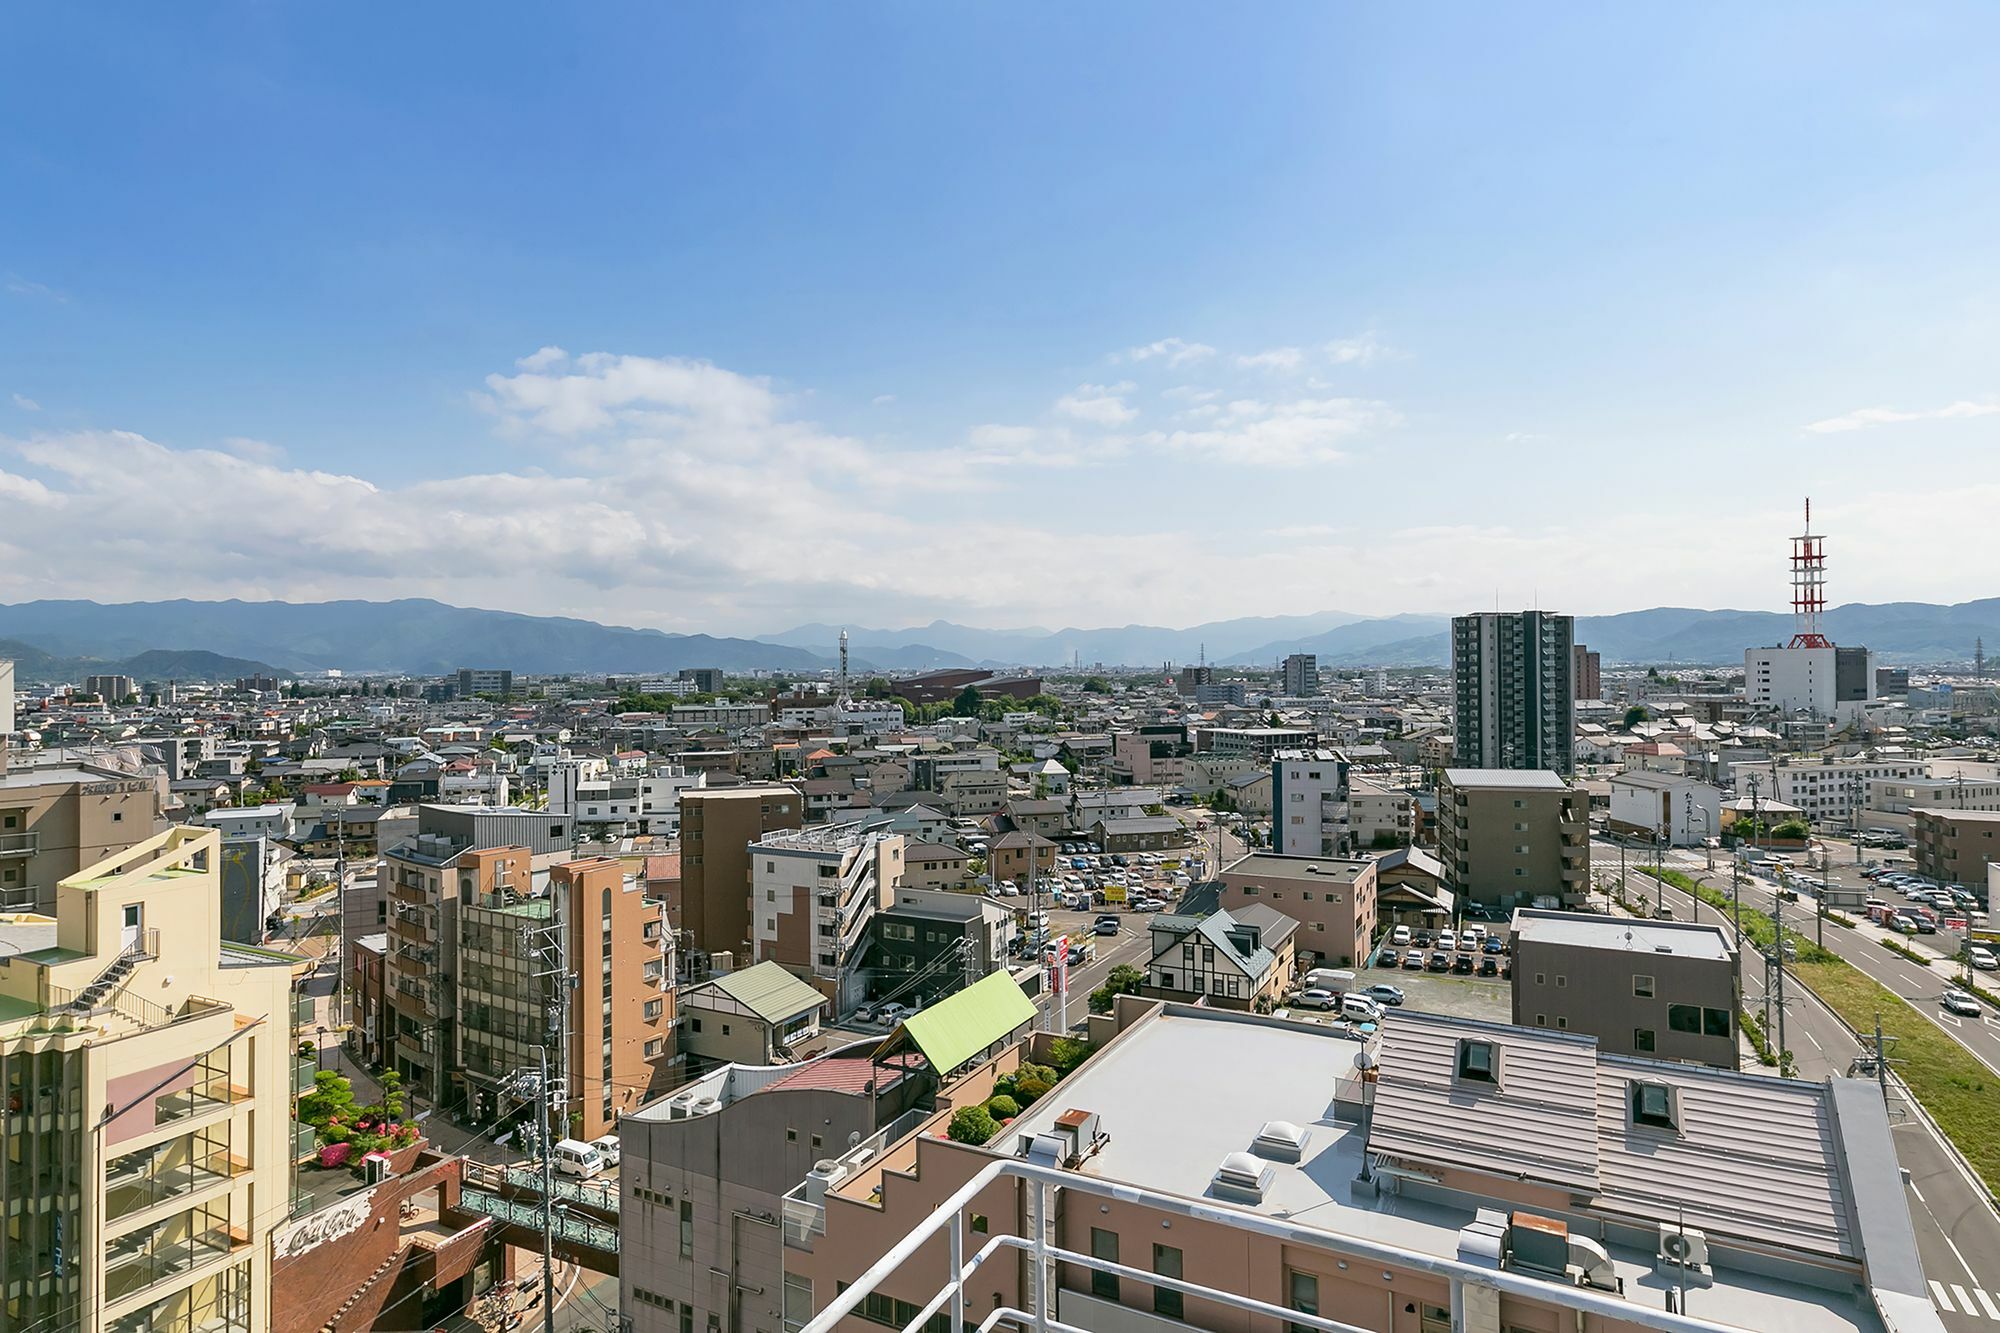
[697,1023]
[798,1301]
[1301,1294]
[1478,1062]
[979,1224]
[1562,982]
[1654,1104]
[1642,1040]
[1715,1023]
[656,1047]
[1642,987]
[1684,1017]
[687,1238]
[1104,1245]
[654,1008]
[1167,1263]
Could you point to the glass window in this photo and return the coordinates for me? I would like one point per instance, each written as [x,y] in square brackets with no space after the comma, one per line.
[1715,1023]
[1642,986]
[1684,1017]
[1301,1294]
[1643,1039]
[1104,1245]
[1167,1263]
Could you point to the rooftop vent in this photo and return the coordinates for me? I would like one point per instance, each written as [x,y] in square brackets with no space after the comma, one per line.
[1243,1178]
[1281,1141]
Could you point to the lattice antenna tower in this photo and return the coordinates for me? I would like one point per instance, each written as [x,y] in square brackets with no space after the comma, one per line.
[1808,586]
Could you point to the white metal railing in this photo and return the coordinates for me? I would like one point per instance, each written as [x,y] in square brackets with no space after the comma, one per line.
[1041,1184]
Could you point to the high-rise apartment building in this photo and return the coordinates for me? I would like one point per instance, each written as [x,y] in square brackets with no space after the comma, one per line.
[60,816]
[1301,675]
[621,1009]
[706,680]
[718,824]
[147,1071]
[111,689]
[814,896]
[1589,680]
[1512,673]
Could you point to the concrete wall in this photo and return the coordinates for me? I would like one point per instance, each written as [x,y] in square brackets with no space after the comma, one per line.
[1595,991]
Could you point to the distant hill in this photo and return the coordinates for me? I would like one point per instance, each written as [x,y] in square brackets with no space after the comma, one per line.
[417,636]
[430,638]
[35,664]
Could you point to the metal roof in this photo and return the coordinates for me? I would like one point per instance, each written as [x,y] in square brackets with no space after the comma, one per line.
[769,992]
[960,1026]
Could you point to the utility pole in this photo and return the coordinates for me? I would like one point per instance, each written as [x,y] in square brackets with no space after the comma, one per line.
[549,946]
[339,914]
[543,1094]
[1825,884]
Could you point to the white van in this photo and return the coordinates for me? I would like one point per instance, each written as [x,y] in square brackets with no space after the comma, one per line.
[1337,980]
[574,1157]
[1360,1009]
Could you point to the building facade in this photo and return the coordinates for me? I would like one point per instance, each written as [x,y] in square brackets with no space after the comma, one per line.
[57,818]
[814,895]
[1662,989]
[148,1070]
[718,824]
[1514,690]
[1955,846]
[1332,899]
[1587,672]
[1509,838]
[1309,811]
[1301,675]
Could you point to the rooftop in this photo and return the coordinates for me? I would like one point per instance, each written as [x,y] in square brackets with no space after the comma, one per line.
[1686,939]
[766,990]
[1314,869]
[1506,779]
[1760,1164]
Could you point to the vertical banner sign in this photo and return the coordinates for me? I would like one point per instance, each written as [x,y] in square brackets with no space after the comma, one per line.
[1059,966]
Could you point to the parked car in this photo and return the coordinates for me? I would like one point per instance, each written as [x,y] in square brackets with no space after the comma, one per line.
[1438,962]
[1317,999]
[1360,1009]
[1447,940]
[1383,993]
[1413,961]
[1422,940]
[607,1148]
[1958,1002]
[1489,966]
[1105,926]
[1494,944]
[1400,937]
[1463,964]
[1983,958]
[1388,958]
[1906,925]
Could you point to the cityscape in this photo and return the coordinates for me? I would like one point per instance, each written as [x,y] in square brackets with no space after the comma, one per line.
[1457,793]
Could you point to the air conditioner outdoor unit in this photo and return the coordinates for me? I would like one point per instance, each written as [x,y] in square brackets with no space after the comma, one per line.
[1682,1247]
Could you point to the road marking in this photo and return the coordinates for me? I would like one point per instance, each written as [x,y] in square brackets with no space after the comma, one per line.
[1943,1301]
[1992,1310]
[1815,1041]
[1964,1300]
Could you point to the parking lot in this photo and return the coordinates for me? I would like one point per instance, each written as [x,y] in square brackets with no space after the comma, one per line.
[1111,881]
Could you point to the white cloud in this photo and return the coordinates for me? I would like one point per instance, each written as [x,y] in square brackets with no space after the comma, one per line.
[1187,393]
[18,286]
[1863,418]
[1255,433]
[1354,351]
[1277,358]
[543,359]
[1174,351]
[262,451]
[883,399]
[26,404]
[1098,404]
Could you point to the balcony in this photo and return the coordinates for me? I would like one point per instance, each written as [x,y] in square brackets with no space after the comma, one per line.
[171,1170]
[305,1011]
[304,1069]
[20,844]
[304,1140]
[143,1259]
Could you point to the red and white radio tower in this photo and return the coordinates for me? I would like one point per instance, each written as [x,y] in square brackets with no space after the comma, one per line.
[1808,586]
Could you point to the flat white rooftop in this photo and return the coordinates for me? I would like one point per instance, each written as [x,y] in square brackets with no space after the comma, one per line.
[1625,934]
[1185,1088]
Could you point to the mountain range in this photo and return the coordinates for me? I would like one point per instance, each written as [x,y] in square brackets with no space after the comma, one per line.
[223,640]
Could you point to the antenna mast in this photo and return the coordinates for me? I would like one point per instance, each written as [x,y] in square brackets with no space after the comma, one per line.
[1808,586]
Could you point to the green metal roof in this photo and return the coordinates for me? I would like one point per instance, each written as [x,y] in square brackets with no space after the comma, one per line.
[769,991]
[955,1029]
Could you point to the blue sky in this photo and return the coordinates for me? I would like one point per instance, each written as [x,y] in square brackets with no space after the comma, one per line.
[1080,314]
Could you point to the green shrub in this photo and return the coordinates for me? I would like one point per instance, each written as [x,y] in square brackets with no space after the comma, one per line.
[1028,1090]
[1066,1053]
[972,1124]
[1002,1107]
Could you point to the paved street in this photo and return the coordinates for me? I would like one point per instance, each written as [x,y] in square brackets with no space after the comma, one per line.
[1958,1233]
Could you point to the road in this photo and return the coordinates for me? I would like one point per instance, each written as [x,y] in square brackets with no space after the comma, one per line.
[1958,1233]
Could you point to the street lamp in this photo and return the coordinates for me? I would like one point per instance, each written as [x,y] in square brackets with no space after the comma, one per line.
[1369,1067]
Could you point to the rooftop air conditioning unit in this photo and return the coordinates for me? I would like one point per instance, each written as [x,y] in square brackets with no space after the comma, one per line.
[1682,1247]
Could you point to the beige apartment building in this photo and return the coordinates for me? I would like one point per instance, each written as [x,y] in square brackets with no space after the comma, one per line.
[1451,1175]
[1508,837]
[718,824]
[1332,898]
[148,1072]
[816,892]
[58,817]
[1955,846]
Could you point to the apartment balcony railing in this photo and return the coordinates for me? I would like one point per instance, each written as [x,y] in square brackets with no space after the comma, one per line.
[20,844]
[304,1140]
[305,1011]
[148,1186]
[304,1071]
[144,1259]
[187,1103]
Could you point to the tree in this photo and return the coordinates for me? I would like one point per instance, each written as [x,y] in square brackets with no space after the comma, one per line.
[967,704]
[972,1124]
[332,1097]
[1124,980]
[1635,715]
[1096,685]
[876,688]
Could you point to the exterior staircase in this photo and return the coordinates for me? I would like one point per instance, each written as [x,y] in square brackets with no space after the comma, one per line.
[93,996]
[380,1272]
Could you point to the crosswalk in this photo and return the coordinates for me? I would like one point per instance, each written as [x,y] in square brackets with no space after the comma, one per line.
[1954,1299]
